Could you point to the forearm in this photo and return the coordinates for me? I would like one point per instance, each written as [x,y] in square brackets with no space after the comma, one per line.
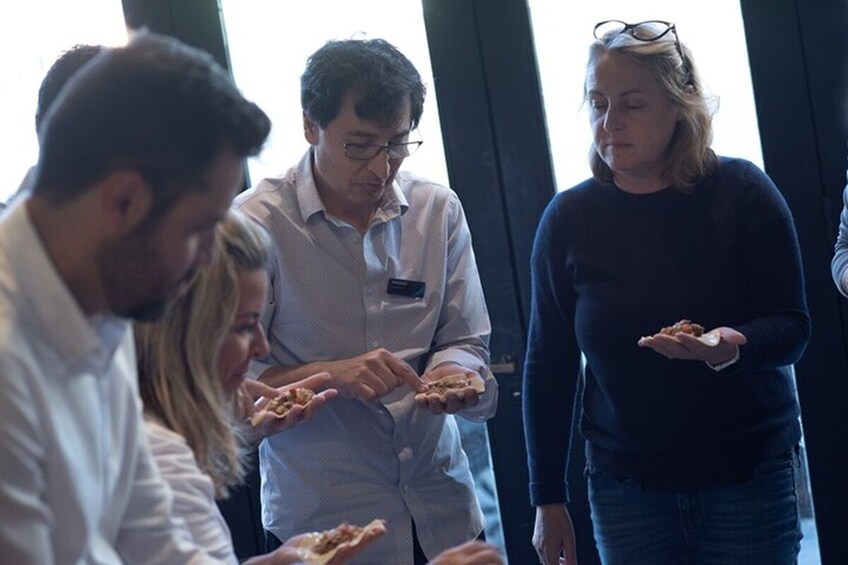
[277,375]
[548,414]
[773,341]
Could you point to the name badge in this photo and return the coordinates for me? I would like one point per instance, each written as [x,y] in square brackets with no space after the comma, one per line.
[403,287]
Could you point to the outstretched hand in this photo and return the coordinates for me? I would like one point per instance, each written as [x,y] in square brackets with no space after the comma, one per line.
[289,554]
[686,346]
[453,400]
[260,394]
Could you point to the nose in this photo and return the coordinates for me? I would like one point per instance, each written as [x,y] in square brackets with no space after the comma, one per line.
[380,165]
[612,119]
[260,345]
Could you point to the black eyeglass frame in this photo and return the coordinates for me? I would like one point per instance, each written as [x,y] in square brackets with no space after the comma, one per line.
[408,147]
[630,29]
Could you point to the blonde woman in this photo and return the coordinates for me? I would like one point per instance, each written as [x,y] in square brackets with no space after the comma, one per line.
[192,369]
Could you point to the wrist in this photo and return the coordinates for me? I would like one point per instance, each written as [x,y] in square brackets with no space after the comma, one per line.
[724,364]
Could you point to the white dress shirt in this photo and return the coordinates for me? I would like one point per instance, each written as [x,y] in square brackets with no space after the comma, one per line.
[77,483]
[192,489]
[388,459]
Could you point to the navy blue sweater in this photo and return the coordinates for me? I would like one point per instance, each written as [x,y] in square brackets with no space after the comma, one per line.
[609,267]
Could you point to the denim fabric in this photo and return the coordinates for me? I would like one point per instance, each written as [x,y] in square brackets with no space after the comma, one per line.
[755,522]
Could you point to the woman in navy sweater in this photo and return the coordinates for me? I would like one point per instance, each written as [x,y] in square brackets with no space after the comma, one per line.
[690,445]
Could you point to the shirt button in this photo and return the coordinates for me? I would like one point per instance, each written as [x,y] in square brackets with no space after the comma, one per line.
[406,488]
[375,343]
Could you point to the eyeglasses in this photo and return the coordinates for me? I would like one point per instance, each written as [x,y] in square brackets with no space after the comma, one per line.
[367,151]
[647,31]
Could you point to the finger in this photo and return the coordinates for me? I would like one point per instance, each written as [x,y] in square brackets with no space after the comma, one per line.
[732,336]
[315,382]
[570,557]
[256,389]
[260,404]
[363,391]
[431,402]
[346,552]
[313,406]
[668,346]
[468,401]
[405,373]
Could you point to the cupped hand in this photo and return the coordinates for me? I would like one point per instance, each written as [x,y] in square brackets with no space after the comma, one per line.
[453,400]
[263,394]
[470,553]
[688,347]
[343,555]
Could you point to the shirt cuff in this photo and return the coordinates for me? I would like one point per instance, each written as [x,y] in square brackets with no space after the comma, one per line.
[726,364]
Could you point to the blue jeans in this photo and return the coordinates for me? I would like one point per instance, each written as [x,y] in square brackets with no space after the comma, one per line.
[752,523]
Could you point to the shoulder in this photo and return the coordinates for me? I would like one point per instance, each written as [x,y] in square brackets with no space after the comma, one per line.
[740,172]
[746,188]
[167,445]
[418,189]
[575,202]
[268,189]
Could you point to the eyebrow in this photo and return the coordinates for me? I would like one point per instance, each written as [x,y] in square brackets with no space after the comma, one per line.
[626,93]
[370,135]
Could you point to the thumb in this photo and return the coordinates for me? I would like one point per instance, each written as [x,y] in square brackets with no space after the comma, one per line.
[732,336]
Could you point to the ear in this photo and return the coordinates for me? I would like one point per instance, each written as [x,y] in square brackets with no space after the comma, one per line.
[125,202]
[310,130]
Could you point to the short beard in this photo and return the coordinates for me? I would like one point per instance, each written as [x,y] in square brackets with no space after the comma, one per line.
[135,286]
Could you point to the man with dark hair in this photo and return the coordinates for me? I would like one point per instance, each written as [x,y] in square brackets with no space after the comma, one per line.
[376,284]
[141,155]
[62,69]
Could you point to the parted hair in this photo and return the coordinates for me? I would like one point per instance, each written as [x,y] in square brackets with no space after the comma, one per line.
[690,156]
[178,355]
[380,75]
[157,107]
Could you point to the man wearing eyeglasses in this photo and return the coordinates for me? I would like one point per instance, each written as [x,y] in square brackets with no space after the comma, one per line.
[377,285]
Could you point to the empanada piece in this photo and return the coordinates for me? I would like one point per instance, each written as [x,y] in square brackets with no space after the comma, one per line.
[280,406]
[318,548]
[711,338]
[455,381]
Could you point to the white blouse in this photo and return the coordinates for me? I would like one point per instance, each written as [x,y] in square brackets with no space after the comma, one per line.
[194,493]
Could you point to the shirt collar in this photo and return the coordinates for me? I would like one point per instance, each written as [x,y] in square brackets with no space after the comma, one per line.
[47,300]
[392,205]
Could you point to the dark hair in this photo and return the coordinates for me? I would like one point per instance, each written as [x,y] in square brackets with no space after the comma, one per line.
[382,76]
[68,63]
[157,107]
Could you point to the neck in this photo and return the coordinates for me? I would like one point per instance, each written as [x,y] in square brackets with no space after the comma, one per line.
[358,216]
[67,242]
[641,185]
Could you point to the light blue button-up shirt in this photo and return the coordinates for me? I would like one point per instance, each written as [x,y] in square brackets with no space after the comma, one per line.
[356,460]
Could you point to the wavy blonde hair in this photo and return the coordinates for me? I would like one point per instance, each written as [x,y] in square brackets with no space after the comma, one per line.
[178,355]
[690,157]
